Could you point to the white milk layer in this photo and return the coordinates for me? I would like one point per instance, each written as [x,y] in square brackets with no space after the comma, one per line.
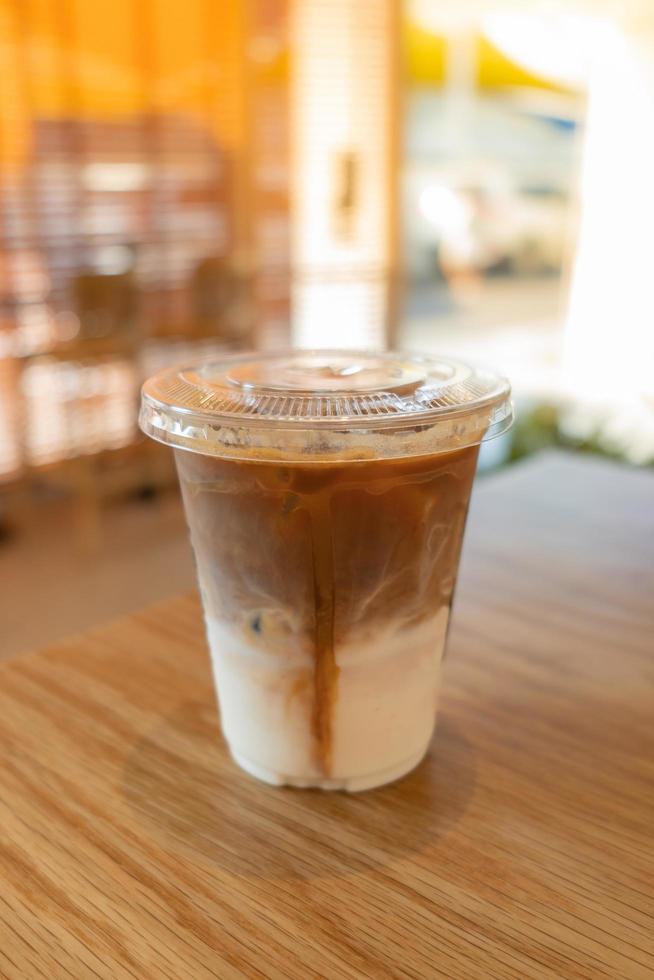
[382,716]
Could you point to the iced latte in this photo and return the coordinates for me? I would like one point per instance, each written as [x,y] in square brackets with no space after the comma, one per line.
[326,495]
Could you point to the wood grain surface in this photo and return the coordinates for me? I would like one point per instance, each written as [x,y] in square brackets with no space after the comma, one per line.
[130,846]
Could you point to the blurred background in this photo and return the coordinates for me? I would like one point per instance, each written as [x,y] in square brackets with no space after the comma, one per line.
[184,176]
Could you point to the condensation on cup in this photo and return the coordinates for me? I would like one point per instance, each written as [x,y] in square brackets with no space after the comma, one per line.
[326,493]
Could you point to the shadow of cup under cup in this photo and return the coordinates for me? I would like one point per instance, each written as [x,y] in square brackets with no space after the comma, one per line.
[182,784]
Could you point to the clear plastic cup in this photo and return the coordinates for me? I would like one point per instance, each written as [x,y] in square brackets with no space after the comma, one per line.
[326,493]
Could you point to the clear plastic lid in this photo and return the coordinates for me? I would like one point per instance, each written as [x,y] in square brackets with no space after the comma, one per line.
[327,404]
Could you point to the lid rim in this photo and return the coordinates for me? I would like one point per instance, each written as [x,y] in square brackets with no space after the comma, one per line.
[333,421]
[192,444]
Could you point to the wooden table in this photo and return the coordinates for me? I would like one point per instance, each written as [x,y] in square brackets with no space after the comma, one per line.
[523,847]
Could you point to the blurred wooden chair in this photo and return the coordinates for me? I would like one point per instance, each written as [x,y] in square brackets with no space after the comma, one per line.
[107,307]
[221,301]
